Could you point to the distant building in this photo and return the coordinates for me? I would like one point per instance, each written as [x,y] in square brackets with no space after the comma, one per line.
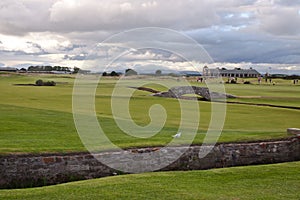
[236,73]
[190,73]
[8,69]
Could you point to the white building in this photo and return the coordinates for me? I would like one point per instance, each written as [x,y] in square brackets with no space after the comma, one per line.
[236,73]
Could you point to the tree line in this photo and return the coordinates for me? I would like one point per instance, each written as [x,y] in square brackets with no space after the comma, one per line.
[49,68]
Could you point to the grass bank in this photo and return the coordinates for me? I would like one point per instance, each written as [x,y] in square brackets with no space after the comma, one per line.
[277,181]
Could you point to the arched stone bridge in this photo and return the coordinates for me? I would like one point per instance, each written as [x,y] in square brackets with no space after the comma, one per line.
[179,91]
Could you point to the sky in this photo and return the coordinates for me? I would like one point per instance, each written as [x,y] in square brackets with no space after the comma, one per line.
[262,34]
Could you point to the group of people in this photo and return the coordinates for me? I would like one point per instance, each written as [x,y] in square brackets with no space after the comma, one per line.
[295,81]
[200,79]
[259,79]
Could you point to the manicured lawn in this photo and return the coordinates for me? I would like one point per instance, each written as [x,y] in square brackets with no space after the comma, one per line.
[39,119]
[278,181]
[283,93]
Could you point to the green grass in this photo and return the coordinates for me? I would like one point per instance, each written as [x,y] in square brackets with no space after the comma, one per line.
[280,95]
[37,130]
[278,181]
[39,119]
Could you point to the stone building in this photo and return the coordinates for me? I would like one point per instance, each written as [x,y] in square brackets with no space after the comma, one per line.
[8,69]
[237,72]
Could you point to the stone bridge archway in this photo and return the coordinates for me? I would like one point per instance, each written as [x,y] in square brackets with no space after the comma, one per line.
[179,91]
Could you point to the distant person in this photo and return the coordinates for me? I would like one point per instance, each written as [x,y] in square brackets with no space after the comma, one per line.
[259,80]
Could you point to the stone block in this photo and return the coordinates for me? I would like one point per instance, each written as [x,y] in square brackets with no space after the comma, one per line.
[48,160]
[294,131]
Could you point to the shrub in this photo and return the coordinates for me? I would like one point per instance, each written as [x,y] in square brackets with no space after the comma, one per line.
[42,83]
[39,82]
[113,73]
[49,83]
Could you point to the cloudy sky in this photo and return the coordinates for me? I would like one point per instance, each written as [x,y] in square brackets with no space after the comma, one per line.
[264,34]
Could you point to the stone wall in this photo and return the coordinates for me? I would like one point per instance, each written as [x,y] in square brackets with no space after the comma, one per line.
[45,169]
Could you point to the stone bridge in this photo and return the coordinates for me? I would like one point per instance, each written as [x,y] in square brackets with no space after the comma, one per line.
[179,91]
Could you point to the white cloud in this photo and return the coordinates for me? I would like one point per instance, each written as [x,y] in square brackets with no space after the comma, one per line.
[280,20]
[63,31]
[83,15]
[34,43]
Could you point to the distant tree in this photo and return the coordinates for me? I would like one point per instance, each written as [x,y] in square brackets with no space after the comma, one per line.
[104,74]
[33,68]
[57,68]
[113,73]
[172,74]
[39,82]
[42,83]
[76,70]
[48,68]
[130,72]
[158,72]
[49,83]
[66,69]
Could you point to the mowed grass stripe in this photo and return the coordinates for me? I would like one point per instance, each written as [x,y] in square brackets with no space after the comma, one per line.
[39,119]
[37,130]
[277,181]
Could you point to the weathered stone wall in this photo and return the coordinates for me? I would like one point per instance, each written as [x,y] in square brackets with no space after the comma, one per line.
[44,169]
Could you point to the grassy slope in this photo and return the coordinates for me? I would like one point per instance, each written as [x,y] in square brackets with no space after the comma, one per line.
[283,93]
[279,181]
[36,119]
[39,119]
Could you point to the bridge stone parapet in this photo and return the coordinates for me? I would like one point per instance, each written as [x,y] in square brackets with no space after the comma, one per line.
[179,91]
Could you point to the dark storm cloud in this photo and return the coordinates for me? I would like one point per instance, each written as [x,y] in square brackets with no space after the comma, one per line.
[239,46]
